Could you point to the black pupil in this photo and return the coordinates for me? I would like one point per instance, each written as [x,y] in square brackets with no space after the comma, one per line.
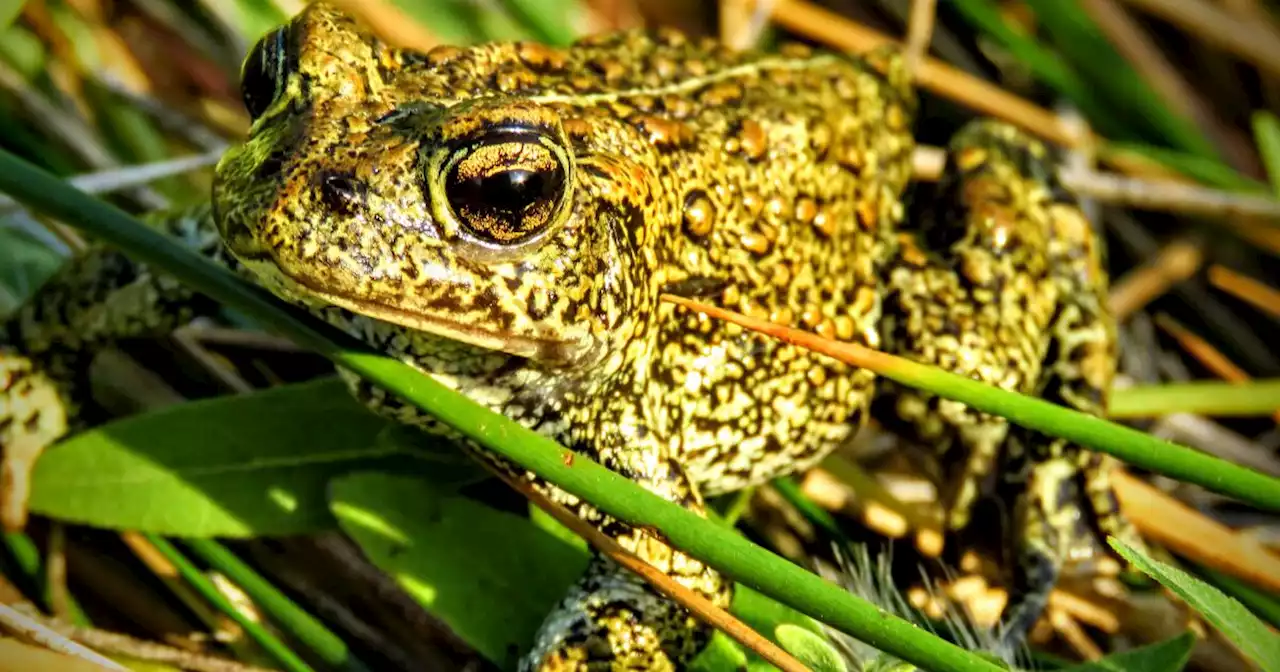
[263,73]
[511,191]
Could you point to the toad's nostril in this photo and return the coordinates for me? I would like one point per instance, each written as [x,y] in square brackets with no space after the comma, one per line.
[342,193]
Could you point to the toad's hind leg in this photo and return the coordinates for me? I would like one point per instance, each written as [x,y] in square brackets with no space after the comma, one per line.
[969,292]
[1067,506]
[1001,280]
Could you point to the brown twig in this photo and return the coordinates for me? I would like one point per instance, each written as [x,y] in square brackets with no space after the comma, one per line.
[1171,523]
[1086,610]
[1176,262]
[55,570]
[1074,635]
[186,339]
[16,656]
[1160,195]
[1205,353]
[1202,350]
[168,574]
[36,632]
[919,32]
[986,98]
[209,333]
[1262,235]
[696,604]
[1169,196]
[1256,294]
[113,643]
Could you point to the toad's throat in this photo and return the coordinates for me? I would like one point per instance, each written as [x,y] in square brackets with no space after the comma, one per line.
[553,351]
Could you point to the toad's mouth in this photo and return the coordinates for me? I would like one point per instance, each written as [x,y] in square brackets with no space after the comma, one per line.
[555,351]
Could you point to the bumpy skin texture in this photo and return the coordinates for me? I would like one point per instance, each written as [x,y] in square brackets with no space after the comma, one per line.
[1002,280]
[504,218]
[686,168]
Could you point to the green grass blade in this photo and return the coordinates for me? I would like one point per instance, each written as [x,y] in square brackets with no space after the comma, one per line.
[306,628]
[26,556]
[9,11]
[1207,171]
[721,548]
[1105,71]
[1266,132]
[1261,397]
[269,642]
[1265,605]
[1237,623]
[790,491]
[1130,445]
[1047,66]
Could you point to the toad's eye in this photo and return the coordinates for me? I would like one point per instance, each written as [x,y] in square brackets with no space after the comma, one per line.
[264,72]
[506,187]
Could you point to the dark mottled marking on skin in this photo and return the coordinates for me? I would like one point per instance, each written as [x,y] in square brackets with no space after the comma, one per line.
[342,193]
[697,286]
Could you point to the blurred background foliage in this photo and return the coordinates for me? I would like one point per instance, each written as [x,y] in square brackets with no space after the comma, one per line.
[136,98]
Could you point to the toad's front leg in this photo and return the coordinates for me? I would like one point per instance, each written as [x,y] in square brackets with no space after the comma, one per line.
[610,618]
[46,347]
[613,617]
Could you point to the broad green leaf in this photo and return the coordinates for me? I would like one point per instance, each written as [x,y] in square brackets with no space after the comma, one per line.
[491,576]
[809,648]
[1237,623]
[237,466]
[455,556]
[555,528]
[1170,655]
